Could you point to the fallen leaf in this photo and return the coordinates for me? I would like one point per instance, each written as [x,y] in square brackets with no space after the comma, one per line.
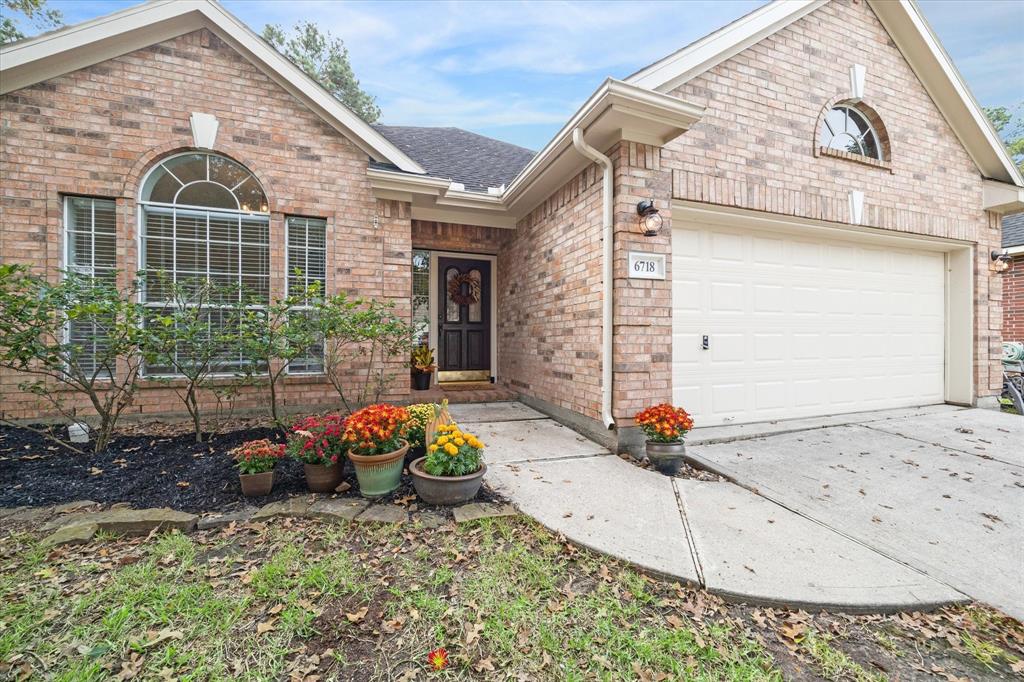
[675,621]
[484,664]
[161,636]
[265,626]
[183,484]
[95,471]
[358,616]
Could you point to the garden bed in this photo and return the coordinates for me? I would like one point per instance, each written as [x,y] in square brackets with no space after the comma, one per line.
[162,468]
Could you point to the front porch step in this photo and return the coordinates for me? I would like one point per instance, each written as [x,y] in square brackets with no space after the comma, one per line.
[484,393]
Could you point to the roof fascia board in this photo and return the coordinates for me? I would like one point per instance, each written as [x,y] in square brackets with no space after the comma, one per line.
[677,68]
[934,68]
[1014,250]
[640,102]
[76,47]
[392,183]
[453,215]
[1001,197]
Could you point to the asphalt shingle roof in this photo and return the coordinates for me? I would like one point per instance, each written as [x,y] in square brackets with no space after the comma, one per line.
[1013,230]
[476,161]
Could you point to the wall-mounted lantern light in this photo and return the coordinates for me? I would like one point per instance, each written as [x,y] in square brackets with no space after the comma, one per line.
[649,222]
[1001,260]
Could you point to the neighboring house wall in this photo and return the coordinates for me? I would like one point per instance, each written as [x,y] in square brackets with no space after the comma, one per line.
[98,130]
[755,147]
[1013,301]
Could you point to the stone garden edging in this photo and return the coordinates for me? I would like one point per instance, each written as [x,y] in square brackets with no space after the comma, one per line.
[73,525]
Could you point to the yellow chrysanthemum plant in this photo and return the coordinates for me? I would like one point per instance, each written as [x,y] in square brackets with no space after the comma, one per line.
[453,452]
[420,417]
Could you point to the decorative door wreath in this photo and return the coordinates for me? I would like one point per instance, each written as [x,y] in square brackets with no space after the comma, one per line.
[455,289]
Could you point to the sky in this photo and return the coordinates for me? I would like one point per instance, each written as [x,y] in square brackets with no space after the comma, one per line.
[518,70]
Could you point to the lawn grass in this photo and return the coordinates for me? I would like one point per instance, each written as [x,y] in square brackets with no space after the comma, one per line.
[305,600]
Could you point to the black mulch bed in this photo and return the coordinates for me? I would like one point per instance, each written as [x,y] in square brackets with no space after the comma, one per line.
[149,471]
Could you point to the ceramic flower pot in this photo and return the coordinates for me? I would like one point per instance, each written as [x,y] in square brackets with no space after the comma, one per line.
[257,485]
[321,478]
[445,490]
[666,457]
[379,474]
[421,380]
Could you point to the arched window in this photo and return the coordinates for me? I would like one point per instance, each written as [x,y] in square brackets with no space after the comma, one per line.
[204,218]
[847,129]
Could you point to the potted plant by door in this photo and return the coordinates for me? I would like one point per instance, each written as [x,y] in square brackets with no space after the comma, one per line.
[256,460]
[422,367]
[453,469]
[376,448]
[318,443]
[665,427]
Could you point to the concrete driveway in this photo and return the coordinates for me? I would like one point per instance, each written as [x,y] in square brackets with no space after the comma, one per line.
[939,489]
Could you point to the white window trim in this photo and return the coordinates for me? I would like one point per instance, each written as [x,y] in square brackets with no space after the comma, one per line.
[287,283]
[867,122]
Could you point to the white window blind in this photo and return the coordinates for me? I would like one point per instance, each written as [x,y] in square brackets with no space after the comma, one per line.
[90,250]
[306,256]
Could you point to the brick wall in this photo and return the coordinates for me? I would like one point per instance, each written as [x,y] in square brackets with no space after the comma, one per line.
[98,130]
[755,147]
[1013,301]
[428,234]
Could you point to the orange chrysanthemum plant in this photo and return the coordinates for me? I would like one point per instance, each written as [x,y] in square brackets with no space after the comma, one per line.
[257,456]
[376,430]
[664,423]
[454,452]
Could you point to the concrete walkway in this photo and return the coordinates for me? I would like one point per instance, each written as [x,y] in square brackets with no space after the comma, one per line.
[720,536]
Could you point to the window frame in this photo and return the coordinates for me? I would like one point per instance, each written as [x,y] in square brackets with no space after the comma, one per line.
[145,207]
[847,108]
[66,231]
[288,283]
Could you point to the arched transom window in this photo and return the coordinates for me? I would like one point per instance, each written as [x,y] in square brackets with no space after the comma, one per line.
[204,218]
[847,129]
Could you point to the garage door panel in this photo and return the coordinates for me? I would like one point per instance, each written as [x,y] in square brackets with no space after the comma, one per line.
[799,327]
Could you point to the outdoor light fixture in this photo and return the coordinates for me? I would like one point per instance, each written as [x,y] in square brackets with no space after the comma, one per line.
[650,222]
[1001,260]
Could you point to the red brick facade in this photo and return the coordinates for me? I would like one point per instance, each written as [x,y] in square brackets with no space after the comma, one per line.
[755,147]
[98,130]
[1013,301]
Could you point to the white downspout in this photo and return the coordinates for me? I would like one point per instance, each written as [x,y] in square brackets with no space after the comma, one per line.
[608,237]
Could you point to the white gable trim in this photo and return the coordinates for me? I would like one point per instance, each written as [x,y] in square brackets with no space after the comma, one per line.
[37,59]
[913,37]
[669,73]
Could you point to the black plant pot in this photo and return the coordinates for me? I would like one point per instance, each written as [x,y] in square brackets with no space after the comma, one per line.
[421,381]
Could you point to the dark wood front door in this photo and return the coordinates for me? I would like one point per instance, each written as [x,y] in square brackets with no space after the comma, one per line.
[464,319]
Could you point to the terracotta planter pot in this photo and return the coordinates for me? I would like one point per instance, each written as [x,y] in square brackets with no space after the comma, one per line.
[421,380]
[321,478]
[445,490]
[666,457]
[257,485]
[379,474]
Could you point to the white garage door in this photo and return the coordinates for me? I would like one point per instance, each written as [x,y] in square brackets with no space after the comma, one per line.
[802,325]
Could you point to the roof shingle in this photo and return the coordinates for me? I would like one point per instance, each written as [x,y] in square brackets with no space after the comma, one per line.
[1013,230]
[476,161]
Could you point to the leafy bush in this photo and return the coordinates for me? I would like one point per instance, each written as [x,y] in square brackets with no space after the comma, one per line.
[358,336]
[35,319]
[318,439]
[376,429]
[453,452]
[664,423]
[257,456]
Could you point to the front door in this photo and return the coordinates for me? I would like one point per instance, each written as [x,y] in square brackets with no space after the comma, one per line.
[464,319]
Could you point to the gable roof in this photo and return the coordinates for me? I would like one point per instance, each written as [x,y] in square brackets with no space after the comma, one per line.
[903,20]
[1013,230]
[475,161]
[33,60]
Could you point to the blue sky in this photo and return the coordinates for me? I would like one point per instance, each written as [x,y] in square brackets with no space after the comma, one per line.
[517,70]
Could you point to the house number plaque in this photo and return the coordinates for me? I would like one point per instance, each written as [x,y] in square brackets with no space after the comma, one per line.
[646,265]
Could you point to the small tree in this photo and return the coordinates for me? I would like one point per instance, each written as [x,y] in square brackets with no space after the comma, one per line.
[192,338]
[33,11]
[103,365]
[358,336]
[271,338]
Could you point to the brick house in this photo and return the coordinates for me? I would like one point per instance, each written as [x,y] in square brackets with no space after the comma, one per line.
[829,195]
[1013,279]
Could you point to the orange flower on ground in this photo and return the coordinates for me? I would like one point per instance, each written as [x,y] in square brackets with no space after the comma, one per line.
[438,659]
[664,423]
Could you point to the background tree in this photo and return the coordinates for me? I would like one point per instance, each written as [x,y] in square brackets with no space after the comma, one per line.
[325,59]
[33,11]
[1010,125]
